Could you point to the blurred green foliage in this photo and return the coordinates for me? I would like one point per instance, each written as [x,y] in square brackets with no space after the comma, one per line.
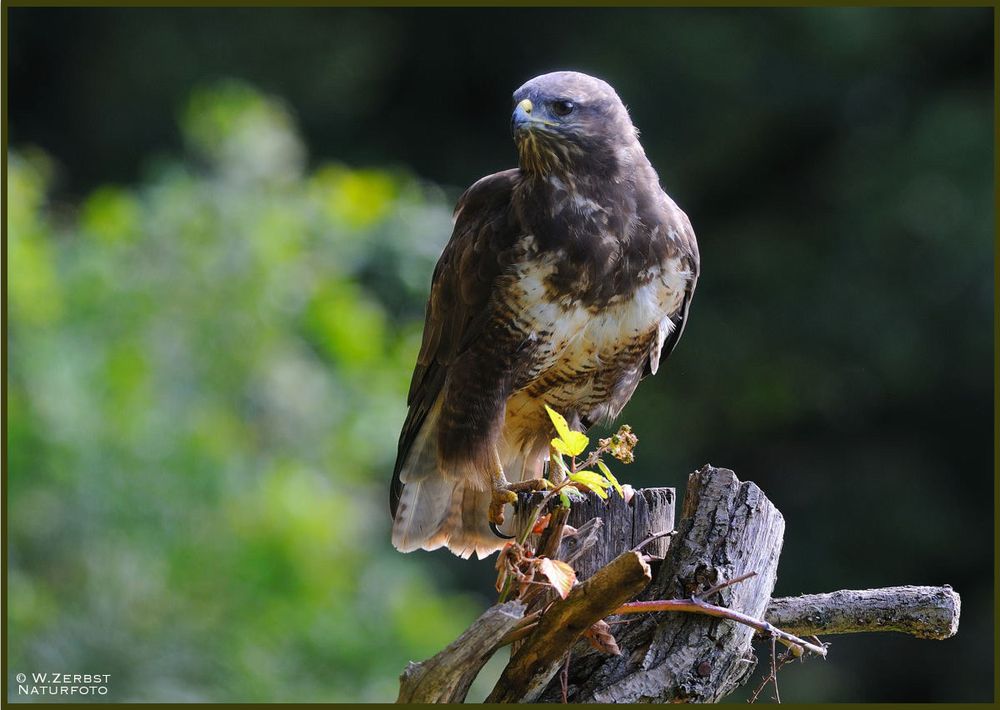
[208,356]
[205,386]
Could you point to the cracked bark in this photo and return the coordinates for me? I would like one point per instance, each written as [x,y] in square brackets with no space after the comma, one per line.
[727,528]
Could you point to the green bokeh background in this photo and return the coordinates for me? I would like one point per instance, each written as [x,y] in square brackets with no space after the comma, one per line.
[220,233]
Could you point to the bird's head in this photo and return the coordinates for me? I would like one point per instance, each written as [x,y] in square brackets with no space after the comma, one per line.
[565,123]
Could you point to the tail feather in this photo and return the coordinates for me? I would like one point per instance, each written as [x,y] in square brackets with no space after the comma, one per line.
[437,510]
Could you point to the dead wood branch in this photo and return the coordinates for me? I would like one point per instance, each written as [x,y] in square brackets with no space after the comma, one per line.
[543,652]
[697,606]
[446,677]
[924,612]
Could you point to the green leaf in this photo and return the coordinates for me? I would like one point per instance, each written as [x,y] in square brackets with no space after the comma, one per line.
[557,460]
[571,443]
[611,477]
[560,446]
[562,428]
[575,445]
[590,478]
[594,481]
[569,494]
[576,442]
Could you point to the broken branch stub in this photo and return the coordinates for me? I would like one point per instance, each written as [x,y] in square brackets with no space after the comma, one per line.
[537,661]
[924,612]
[446,677]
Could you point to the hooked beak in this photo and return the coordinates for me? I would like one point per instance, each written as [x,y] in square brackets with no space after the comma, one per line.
[524,119]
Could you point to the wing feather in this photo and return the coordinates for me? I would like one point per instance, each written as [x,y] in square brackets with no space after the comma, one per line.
[461,288]
[686,244]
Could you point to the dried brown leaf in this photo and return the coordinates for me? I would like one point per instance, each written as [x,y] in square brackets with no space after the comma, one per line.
[561,576]
[600,637]
[542,523]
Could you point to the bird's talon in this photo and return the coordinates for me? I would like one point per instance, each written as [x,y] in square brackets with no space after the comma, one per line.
[505,496]
[496,531]
[501,497]
[506,493]
[529,486]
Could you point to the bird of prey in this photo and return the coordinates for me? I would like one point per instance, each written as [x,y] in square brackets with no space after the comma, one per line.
[565,282]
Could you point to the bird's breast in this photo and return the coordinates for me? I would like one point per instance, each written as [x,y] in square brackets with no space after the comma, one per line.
[573,336]
[585,360]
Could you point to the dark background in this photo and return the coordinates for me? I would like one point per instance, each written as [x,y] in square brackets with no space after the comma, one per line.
[837,167]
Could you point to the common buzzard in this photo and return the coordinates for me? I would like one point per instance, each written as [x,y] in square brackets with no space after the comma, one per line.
[565,282]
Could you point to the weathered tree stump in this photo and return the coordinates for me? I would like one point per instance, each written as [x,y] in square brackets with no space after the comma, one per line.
[728,529]
[621,525]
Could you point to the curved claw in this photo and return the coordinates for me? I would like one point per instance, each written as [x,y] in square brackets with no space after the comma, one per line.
[496,531]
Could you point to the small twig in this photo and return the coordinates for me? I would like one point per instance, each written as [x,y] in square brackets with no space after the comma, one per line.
[654,536]
[619,621]
[785,658]
[697,606]
[564,678]
[522,538]
[524,627]
[533,518]
[594,455]
[722,585]
[774,672]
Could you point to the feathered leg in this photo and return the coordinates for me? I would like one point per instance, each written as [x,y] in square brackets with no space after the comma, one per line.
[505,493]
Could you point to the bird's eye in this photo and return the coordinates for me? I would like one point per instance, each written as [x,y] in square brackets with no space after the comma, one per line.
[563,107]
